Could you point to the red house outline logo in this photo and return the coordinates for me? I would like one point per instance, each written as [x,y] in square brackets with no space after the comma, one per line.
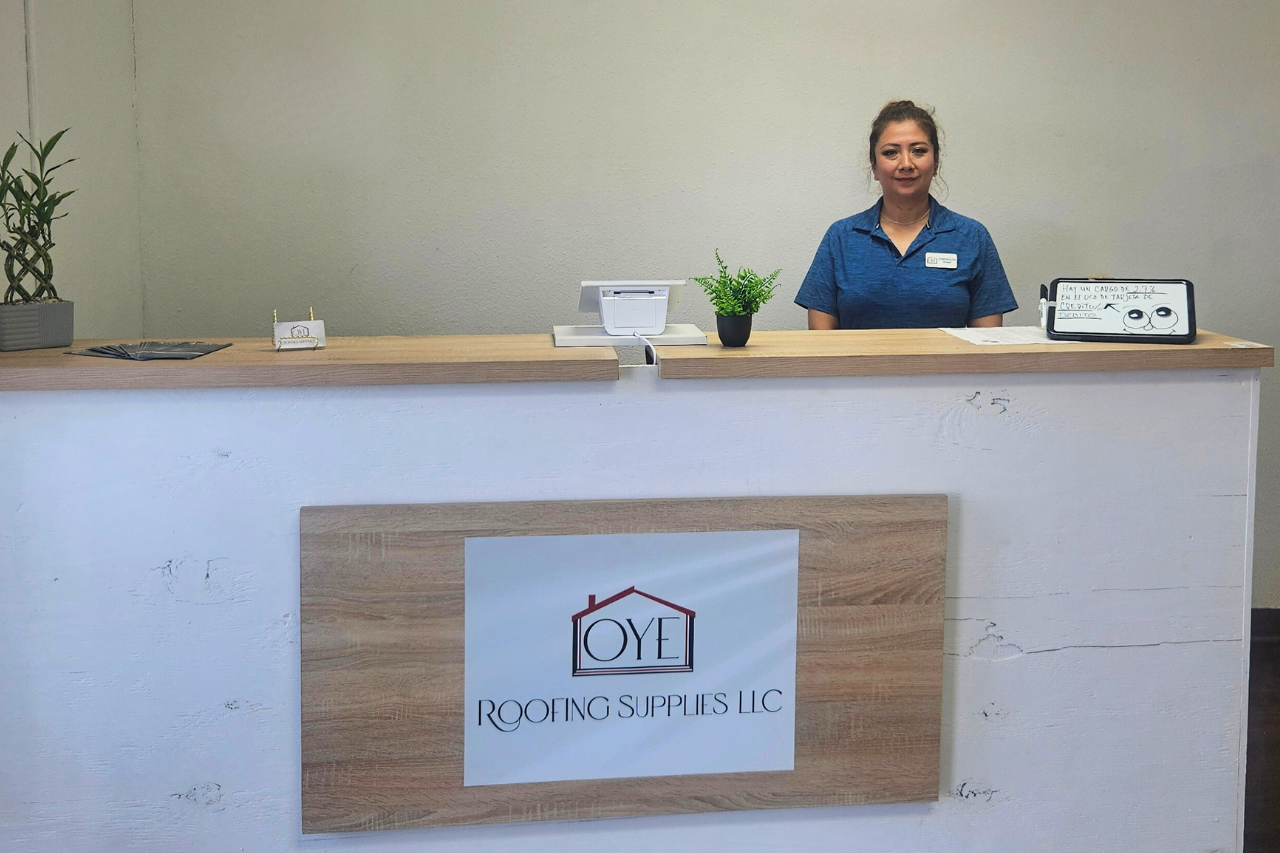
[634,634]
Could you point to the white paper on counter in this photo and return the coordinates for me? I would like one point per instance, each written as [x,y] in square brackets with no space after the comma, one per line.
[1005,336]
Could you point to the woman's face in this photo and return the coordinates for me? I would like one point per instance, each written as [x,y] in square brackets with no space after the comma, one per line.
[905,161]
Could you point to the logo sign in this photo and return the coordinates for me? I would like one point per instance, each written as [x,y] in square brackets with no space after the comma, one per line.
[627,698]
[632,632]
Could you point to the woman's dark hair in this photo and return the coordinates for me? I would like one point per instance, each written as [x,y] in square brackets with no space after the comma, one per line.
[896,111]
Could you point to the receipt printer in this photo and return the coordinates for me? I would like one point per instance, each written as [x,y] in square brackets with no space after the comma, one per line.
[630,308]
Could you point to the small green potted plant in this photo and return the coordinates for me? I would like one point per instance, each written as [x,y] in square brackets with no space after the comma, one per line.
[32,316]
[736,299]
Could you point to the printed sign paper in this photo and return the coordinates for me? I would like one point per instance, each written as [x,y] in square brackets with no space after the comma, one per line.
[610,656]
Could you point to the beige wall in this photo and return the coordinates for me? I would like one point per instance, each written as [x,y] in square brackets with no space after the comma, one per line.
[439,167]
[83,66]
[13,70]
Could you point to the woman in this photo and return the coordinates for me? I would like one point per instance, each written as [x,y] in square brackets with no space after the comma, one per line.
[908,262]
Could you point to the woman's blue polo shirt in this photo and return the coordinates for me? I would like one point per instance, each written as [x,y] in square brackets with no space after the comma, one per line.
[859,276]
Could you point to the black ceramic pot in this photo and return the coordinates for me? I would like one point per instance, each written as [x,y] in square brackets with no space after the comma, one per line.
[734,331]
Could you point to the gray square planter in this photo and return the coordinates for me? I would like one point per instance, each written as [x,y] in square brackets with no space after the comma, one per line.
[36,325]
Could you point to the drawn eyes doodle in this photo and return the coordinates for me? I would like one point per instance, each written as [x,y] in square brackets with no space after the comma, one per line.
[1135,319]
[1161,320]
[1163,317]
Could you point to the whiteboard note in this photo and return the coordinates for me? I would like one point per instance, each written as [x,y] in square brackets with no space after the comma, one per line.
[1123,307]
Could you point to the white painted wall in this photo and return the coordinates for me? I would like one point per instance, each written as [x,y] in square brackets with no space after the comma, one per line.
[432,167]
[1097,591]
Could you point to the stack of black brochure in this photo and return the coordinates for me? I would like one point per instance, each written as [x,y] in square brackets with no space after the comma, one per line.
[151,350]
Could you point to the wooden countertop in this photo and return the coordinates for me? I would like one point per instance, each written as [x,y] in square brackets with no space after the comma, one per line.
[897,352]
[252,362]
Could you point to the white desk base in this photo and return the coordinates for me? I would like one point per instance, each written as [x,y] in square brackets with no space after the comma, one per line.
[1097,613]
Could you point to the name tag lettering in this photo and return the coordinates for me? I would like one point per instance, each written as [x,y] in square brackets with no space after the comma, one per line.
[940,260]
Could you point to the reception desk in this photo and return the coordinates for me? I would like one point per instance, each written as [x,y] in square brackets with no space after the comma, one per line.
[1100,512]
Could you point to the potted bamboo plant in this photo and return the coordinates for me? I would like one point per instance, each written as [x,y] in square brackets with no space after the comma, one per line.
[736,299]
[32,316]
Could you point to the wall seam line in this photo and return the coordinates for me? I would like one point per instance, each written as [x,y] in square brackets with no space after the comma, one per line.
[28,17]
[137,157]
[1254,388]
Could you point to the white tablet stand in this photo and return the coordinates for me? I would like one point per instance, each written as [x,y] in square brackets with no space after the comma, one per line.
[629,310]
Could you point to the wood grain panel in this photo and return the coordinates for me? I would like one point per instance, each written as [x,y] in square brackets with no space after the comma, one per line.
[886,352]
[382,660]
[253,363]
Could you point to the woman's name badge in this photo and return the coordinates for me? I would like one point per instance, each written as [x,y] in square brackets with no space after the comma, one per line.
[940,260]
